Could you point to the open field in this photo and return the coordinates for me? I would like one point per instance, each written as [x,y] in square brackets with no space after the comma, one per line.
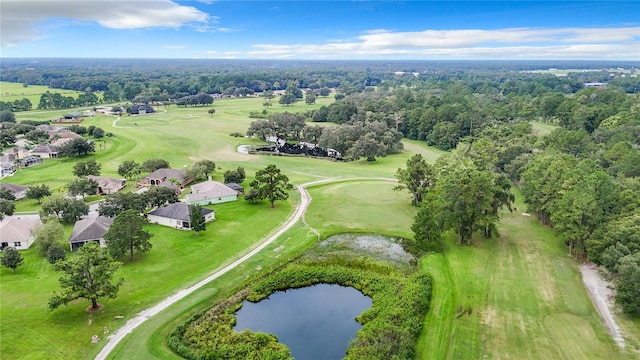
[542,129]
[524,292]
[523,296]
[13,91]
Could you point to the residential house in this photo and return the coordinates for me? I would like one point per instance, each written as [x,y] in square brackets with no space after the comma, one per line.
[107,185]
[64,134]
[31,160]
[237,187]
[23,144]
[210,192]
[177,215]
[8,163]
[46,151]
[141,109]
[6,169]
[60,142]
[18,191]
[18,232]
[48,128]
[10,154]
[166,177]
[74,117]
[89,230]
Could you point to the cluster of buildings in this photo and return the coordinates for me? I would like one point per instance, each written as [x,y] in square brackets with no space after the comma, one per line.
[18,232]
[25,154]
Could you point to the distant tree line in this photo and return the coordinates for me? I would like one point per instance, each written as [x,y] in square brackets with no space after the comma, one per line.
[50,100]
[153,81]
[16,105]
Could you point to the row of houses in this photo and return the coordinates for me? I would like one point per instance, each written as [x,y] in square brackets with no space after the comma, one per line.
[19,232]
[21,156]
[205,193]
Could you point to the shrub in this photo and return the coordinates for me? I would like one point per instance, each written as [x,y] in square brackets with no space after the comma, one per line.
[55,253]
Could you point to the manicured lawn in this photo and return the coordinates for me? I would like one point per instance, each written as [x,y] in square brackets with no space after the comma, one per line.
[519,296]
[360,206]
[177,260]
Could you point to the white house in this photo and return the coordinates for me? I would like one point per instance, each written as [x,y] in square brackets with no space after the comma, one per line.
[177,215]
[18,232]
[210,192]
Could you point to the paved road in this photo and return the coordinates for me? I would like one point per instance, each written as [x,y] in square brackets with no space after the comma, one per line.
[144,315]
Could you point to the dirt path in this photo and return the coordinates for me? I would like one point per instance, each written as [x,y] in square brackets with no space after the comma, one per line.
[144,315]
[601,294]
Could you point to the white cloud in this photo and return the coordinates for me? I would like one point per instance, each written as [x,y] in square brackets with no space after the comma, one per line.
[212,29]
[174,47]
[20,18]
[514,43]
[471,37]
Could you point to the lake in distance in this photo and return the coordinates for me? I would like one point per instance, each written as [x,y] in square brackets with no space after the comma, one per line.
[315,322]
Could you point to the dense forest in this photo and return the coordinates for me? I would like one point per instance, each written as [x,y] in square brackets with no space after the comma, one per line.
[124,79]
[582,179]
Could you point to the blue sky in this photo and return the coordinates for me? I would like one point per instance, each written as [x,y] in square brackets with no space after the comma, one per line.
[580,30]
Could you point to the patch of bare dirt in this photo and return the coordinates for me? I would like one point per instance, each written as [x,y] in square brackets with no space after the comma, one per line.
[601,294]
[91,309]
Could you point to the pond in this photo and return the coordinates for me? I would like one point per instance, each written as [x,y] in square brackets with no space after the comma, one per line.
[315,322]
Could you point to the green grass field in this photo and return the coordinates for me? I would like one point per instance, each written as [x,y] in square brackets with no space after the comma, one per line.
[13,91]
[542,129]
[525,294]
[526,299]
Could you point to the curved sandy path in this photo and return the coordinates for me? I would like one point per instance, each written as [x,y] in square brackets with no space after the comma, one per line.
[305,200]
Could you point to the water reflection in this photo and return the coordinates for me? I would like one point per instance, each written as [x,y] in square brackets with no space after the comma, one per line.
[315,322]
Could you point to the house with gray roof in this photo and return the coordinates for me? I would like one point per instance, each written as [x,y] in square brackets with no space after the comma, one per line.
[89,230]
[177,215]
[18,191]
[8,161]
[18,232]
[237,187]
[164,177]
[108,185]
[46,151]
[72,117]
[211,192]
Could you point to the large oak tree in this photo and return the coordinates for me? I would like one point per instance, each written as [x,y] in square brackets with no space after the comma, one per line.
[88,275]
